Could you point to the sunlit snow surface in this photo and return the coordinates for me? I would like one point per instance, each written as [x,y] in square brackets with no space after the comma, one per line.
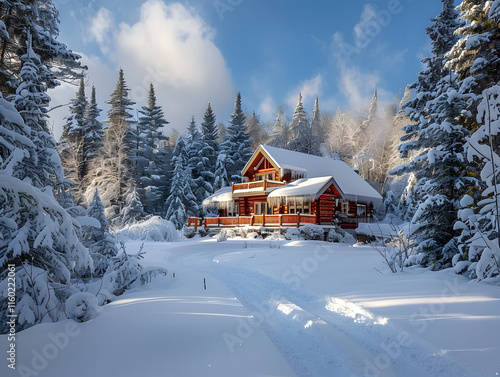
[277,308]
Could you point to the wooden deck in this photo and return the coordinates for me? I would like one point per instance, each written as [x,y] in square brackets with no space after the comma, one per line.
[271,221]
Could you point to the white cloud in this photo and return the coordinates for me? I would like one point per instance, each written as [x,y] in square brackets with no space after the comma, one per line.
[173,48]
[101,29]
[309,90]
[267,109]
[170,46]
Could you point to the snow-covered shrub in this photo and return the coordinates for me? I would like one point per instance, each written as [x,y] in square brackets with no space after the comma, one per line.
[252,235]
[188,232]
[340,235]
[312,232]
[293,234]
[275,236]
[37,301]
[127,272]
[152,229]
[81,306]
[224,234]
[397,251]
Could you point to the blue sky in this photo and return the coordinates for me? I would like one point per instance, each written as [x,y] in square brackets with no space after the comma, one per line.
[203,51]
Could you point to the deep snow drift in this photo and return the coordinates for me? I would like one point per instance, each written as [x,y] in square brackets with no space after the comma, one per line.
[276,308]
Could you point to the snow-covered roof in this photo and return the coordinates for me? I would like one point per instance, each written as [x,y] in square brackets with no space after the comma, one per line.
[348,182]
[225,194]
[311,187]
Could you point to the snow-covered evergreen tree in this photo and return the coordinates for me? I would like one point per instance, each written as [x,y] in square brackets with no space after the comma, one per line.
[256,132]
[317,134]
[300,130]
[133,210]
[439,165]
[279,135]
[41,19]
[236,146]
[94,131]
[181,202]
[151,154]
[37,236]
[479,241]
[43,169]
[221,178]
[72,150]
[210,134]
[101,244]
[112,172]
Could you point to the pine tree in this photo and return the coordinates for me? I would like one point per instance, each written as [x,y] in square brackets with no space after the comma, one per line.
[101,244]
[221,177]
[300,131]
[279,135]
[37,236]
[317,134]
[236,145]
[113,172]
[44,169]
[198,154]
[210,134]
[133,210]
[120,119]
[151,153]
[94,131]
[72,151]
[181,202]
[439,139]
[41,19]
[256,132]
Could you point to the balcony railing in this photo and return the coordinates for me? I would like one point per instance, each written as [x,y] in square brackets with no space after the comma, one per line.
[273,221]
[263,185]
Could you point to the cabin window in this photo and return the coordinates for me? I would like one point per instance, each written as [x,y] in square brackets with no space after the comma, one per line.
[291,207]
[260,208]
[361,211]
[345,206]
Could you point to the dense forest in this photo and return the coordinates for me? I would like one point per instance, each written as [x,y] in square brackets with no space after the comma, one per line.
[433,153]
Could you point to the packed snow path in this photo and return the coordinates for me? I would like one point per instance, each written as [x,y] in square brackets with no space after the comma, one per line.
[318,336]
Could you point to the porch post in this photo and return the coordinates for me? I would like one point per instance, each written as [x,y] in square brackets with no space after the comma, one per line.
[263,219]
[298,220]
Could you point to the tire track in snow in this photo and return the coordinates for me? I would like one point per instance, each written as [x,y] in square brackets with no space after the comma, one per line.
[321,336]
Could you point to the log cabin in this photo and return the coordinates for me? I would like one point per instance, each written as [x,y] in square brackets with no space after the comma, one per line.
[282,188]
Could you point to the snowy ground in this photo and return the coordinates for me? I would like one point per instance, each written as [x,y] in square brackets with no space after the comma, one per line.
[276,308]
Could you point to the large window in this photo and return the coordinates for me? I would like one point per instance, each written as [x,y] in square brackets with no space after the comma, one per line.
[299,205]
[260,208]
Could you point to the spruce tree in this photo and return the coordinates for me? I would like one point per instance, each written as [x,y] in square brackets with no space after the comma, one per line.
[101,244]
[236,145]
[94,132]
[151,154]
[317,134]
[279,135]
[40,18]
[210,134]
[113,174]
[256,132]
[181,203]
[439,139]
[199,154]
[37,236]
[31,101]
[300,131]
[221,177]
